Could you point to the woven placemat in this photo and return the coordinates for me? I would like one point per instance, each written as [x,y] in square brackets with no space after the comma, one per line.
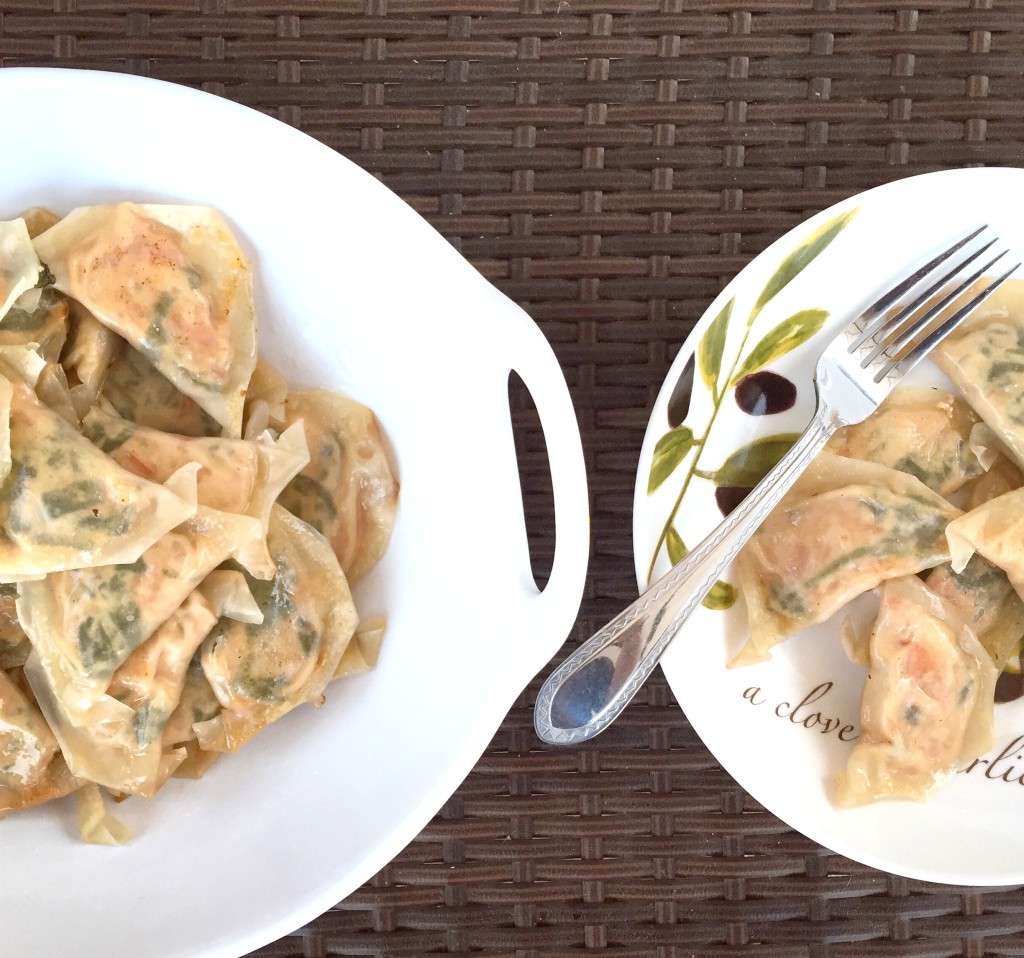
[609,165]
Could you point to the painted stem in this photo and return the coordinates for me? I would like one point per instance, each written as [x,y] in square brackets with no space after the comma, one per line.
[717,401]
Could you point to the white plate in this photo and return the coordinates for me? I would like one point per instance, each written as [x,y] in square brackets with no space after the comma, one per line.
[970,831]
[355,291]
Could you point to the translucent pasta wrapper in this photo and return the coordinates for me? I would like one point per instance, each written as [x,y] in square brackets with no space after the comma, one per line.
[52,388]
[348,492]
[90,350]
[19,265]
[1002,477]
[95,824]
[235,475]
[197,703]
[85,623]
[14,644]
[994,530]
[844,527]
[38,219]
[173,282]
[261,672]
[264,403]
[55,782]
[116,739]
[45,324]
[927,703]
[985,360]
[362,652]
[64,504]
[138,392]
[26,743]
[918,430]
[983,597]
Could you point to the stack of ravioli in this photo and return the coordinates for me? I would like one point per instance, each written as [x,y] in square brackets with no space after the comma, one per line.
[924,502]
[178,528]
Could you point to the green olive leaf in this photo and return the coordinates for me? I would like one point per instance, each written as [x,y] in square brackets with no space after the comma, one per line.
[748,466]
[722,596]
[784,338]
[802,257]
[669,451]
[712,345]
[676,547]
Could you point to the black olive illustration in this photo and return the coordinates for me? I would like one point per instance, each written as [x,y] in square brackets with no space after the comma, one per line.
[729,497]
[765,393]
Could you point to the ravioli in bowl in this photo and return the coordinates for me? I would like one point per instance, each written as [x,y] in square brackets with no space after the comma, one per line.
[354,293]
[179,526]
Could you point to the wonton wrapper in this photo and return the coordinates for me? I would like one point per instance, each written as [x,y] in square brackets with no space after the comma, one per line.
[64,504]
[19,265]
[115,738]
[26,743]
[85,623]
[173,282]
[362,652]
[918,430]
[139,393]
[981,594]
[95,824]
[235,475]
[1002,477]
[90,350]
[260,672]
[844,527]
[927,703]
[348,492]
[45,324]
[994,530]
[56,782]
[14,644]
[264,403]
[38,219]
[985,359]
[196,704]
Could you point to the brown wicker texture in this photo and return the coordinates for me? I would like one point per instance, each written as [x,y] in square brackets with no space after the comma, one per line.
[609,165]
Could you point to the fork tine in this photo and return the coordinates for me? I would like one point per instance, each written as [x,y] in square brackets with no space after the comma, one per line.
[900,335]
[875,315]
[920,350]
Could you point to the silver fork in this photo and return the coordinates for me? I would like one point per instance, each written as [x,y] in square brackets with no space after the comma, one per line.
[856,371]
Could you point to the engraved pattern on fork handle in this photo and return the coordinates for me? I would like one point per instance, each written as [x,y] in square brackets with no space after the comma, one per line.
[639,635]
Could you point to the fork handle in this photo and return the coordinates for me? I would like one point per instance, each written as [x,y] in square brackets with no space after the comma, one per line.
[586,693]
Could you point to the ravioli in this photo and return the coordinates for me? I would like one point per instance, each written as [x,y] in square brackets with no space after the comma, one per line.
[994,530]
[139,393]
[927,703]
[173,282]
[115,738]
[45,324]
[844,527]
[348,492]
[985,360]
[65,505]
[20,269]
[235,475]
[261,672]
[922,431]
[983,597]
[85,623]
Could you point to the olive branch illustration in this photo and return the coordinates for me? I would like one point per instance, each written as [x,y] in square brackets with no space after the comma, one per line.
[745,467]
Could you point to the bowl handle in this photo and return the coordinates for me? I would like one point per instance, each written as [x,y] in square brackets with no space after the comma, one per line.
[551,612]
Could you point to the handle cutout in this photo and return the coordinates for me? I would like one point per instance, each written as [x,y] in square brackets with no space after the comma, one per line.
[534,479]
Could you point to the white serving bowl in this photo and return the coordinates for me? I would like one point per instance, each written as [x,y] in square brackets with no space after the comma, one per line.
[354,291]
